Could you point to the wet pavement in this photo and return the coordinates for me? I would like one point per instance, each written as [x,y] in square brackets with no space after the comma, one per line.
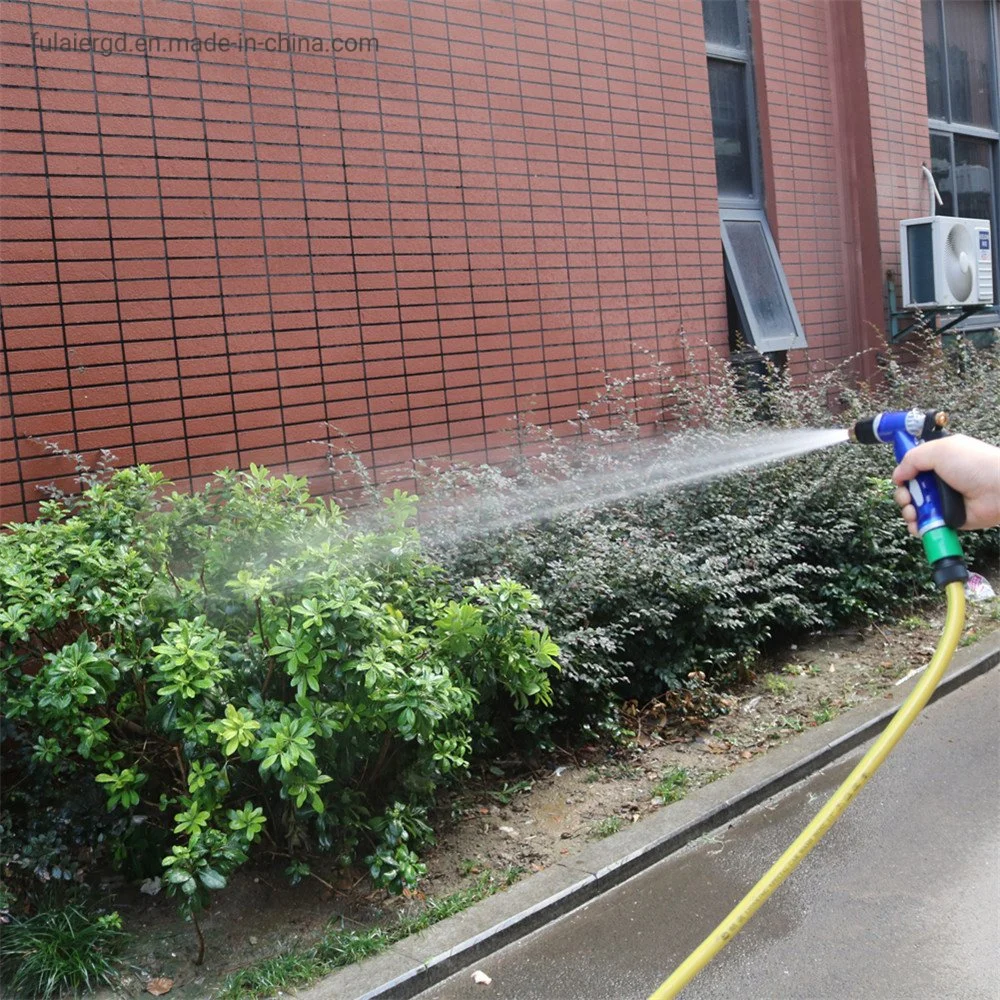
[900,900]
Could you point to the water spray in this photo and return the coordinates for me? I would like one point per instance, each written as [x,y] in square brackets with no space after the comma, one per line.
[940,510]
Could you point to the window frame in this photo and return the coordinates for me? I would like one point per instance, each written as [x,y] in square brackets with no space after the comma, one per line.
[951,135]
[744,303]
[739,208]
[741,56]
[988,317]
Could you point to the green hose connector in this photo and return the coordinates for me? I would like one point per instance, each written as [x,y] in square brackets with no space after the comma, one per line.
[944,553]
[940,543]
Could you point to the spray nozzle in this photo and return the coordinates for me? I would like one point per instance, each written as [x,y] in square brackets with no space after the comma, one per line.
[940,508]
[921,425]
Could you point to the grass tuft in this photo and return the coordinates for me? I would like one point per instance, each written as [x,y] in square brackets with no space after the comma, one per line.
[777,686]
[605,827]
[66,950]
[339,947]
[826,712]
[672,787]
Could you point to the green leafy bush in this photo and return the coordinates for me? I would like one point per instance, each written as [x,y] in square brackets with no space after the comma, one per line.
[241,663]
[642,592]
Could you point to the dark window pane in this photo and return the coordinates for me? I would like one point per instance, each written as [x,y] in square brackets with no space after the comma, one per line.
[733,161]
[937,106]
[941,169]
[970,77]
[974,178]
[722,22]
[759,286]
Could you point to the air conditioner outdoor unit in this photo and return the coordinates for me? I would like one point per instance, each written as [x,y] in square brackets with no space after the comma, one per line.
[946,262]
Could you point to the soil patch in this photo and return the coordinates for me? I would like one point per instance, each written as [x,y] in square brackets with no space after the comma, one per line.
[524,822]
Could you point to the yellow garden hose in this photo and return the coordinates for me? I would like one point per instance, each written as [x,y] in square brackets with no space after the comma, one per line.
[838,802]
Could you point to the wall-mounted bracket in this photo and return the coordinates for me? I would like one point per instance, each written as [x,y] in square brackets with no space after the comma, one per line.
[925,317]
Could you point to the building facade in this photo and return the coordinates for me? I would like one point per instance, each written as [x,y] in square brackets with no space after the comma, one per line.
[234,230]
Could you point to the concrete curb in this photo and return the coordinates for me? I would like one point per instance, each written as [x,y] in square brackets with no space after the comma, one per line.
[419,962]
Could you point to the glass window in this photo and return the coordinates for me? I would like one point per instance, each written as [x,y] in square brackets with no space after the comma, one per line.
[754,276]
[974,177]
[722,22]
[963,103]
[968,34]
[770,321]
[937,97]
[730,128]
[941,168]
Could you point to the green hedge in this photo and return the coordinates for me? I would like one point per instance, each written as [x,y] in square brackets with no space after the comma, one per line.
[644,592]
[183,679]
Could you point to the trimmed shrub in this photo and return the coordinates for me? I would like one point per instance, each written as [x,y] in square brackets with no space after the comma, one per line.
[643,592]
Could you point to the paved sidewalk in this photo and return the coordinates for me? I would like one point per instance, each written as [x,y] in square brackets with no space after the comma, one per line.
[900,900]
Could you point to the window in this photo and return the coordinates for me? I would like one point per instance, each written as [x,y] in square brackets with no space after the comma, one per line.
[759,284]
[960,54]
[756,279]
[731,129]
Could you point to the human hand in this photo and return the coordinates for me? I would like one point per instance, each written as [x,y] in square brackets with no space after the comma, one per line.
[966,464]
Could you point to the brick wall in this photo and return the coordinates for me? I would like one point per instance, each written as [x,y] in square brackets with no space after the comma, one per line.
[805,209]
[210,258]
[900,137]
[833,218]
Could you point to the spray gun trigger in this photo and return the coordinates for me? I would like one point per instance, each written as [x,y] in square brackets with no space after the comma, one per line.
[952,504]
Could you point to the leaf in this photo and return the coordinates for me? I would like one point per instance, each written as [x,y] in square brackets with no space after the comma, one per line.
[211,879]
[159,986]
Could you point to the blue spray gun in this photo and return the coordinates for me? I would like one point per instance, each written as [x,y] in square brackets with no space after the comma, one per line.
[940,508]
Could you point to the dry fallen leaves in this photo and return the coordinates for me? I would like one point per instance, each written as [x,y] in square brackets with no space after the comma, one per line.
[159,986]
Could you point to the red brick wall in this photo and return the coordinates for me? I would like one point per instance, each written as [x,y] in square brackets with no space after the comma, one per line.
[793,72]
[811,74]
[209,257]
[900,137]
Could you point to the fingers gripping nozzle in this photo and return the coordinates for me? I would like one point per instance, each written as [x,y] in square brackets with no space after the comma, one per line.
[940,509]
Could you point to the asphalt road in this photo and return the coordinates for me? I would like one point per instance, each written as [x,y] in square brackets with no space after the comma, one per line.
[900,901]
